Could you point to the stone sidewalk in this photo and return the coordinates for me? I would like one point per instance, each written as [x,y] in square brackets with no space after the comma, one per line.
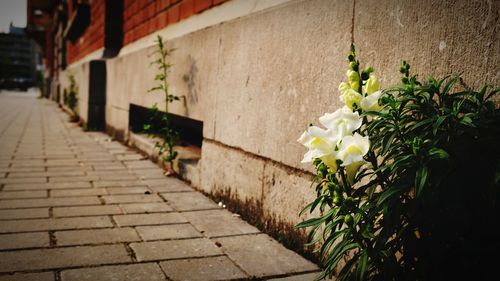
[77,206]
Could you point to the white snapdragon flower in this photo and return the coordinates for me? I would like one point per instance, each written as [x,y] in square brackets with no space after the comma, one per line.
[349,97]
[370,103]
[321,144]
[353,148]
[342,122]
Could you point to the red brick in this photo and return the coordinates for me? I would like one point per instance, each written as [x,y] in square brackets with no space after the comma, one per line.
[186,9]
[134,7]
[162,20]
[151,10]
[162,5]
[151,25]
[143,16]
[173,14]
[201,5]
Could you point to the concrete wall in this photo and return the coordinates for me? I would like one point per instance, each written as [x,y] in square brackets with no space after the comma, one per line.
[258,80]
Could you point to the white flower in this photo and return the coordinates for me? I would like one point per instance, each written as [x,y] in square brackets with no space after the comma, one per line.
[370,103]
[342,122]
[372,85]
[353,148]
[321,144]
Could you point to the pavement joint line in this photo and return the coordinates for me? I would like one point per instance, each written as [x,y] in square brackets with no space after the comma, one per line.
[52,239]
[163,272]
[130,252]
[113,221]
[57,275]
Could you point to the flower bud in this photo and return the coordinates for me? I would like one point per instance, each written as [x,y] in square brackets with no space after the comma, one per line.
[372,85]
[353,78]
[348,219]
[336,200]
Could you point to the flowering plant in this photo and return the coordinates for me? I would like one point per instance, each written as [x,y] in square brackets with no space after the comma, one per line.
[407,179]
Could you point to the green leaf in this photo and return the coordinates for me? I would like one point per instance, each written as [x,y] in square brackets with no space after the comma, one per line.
[420,180]
[438,153]
[361,268]
[314,221]
[389,193]
[438,123]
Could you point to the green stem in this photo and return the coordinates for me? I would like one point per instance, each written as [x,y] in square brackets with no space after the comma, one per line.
[347,187]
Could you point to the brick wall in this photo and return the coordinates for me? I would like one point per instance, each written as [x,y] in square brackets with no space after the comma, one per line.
[140,18]
[93,37]
[143,17]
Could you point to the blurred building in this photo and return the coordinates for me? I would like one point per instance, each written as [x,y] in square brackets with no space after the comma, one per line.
[252,73]
[20,59]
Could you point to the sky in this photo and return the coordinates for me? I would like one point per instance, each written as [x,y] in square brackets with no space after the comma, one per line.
[12,11]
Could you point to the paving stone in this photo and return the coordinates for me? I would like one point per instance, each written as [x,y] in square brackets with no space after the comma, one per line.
[188,201]
[173,183]
[62,162]
[68,173]
[149,219]
[113,167]
[24,240]
[86,211]
[146,174]
[22,180]
[72,179]
[129,272]
[96,236]
[27,170]
[260,256]
[140,164]
[163,232]
[301,277]
[175,249]
[128,190]
[215,223]
[48,202]
[133,208]
[143,198]
[77,192]
[63,169]
[171,188]
[128,157]
[12,214]
[211,268]
[112,177]
[23,194]
[62,257]
[39,276]
[59,185]
[118,183]
[54,224]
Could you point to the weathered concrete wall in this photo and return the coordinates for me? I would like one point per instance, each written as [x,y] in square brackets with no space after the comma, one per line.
[435,37]
[257,81]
